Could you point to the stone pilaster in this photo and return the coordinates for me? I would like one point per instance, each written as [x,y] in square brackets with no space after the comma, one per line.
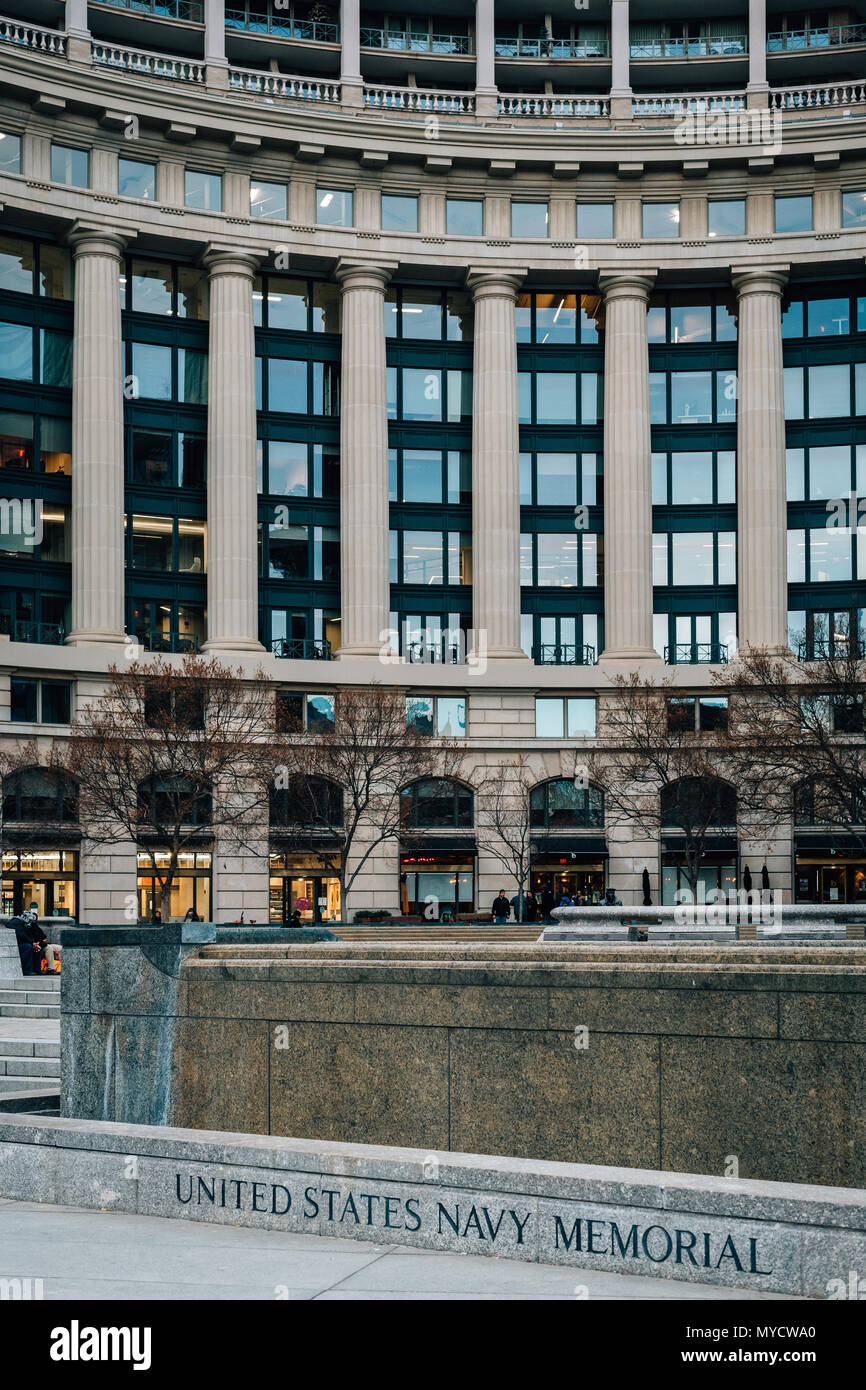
[364,521]
[216,69]
[620,84]
[758,87]
[350,53]
[628,579]
[485,59]
[495,465]
[232,496]
[97,439]
[761,485]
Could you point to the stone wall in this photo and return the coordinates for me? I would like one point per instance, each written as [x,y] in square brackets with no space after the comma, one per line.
[708,1059]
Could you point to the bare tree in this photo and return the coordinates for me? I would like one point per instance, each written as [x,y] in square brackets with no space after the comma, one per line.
[170,752]
[503,823]
[370,754]
[659,772]
[799,744]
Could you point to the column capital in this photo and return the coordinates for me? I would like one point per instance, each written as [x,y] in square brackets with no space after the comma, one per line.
[501,283]
[627,284]
[90,239]
[230,260]
[364,275]
[759,279]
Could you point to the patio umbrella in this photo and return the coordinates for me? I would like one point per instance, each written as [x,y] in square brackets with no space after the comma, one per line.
[647,900]
[765,878]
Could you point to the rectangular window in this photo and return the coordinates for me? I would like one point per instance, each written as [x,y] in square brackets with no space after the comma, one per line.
[268,199]
[149,290]
[556,717]
[287,386]
[692,553]
[464,216]
[794,398]
[422,557]
[287,468]
[793,214]
[203,191]
[55,358]
[422,475]
[334,207]
[595,221]
[829,391]
[55,272]
[10,153]
[691,398]
[726,217]
[853,206]
[16,439]
[399,213]
[151,370]
[70,166]
[288,549]
[17,261]
[660,220]
[556,480]
[555,398]
[136,179]
[796,557]
[422,394]
[529,220]
[192,376]
[557,560]
[828,318]
[16,352]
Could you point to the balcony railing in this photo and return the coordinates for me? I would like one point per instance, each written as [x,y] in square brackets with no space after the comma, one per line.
[826,649]
[408,42]
[190,10]
[444,652]
[275,84]
[51,634]
[33,36]
[283,27]
[834,36]
[551,48]
[696,654]
[687,103]
[805,98]
[420,99]
[563,654]
[165,642]
[137,60]
[555,104]
[301,648]
[729,46]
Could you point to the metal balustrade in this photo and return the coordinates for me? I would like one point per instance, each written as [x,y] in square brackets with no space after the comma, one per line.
[146,64]
[283,26]
[419,99]
[832,36]
[551,104]
[51,634]
[276,84]
[826,649]
[190,10]
[551,48]
[163,642]
[563,654]
[33,36]
[723,46]
[301,648]
[438,653]
[697,654]
[808,96]
[393,40]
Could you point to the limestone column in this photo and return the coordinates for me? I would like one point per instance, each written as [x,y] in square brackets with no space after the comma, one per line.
[232,493]
[77,31]
[485,58]
[758,87]
[762,513]
[216,67]
[495,466]
[351,82]
[364,519]
[628,577]
[97,439]
[620,40]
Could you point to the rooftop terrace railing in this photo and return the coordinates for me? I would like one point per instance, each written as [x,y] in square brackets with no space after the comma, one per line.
[192,11]
[550,48]
[409,42]
[146,64]
[282,26]
[729,46]
[833,36]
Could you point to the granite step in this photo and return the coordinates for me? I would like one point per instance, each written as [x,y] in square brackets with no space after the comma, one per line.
[29,1010]
[29,996]
[32,1101]
[31,1083]
[29,1066]
[28,1047]
[47,982]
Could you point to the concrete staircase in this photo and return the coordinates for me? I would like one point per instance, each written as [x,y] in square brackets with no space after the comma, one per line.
[30,1042]
[507,933]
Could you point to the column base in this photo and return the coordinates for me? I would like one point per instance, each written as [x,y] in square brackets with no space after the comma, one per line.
[757,96]
[217,645]
[486,102]
[499,654]
[82,637]
[351,91]
[629,654]
[368,651]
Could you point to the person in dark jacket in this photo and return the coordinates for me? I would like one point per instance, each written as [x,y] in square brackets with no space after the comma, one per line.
[32,941]
[548,903]
[501,907]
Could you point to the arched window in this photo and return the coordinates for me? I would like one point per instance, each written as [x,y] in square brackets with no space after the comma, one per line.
[40,794]
[560,805]
[314,802]
[436,803]
[691,802]
[175,800]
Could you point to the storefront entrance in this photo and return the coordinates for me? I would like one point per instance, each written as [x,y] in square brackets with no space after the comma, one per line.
[46,879]
[438,881]
[190,888]
[304,884]
[829,881]
[717,875]
[564,878]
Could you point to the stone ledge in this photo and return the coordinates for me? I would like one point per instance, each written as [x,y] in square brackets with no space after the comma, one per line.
[780,1237]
